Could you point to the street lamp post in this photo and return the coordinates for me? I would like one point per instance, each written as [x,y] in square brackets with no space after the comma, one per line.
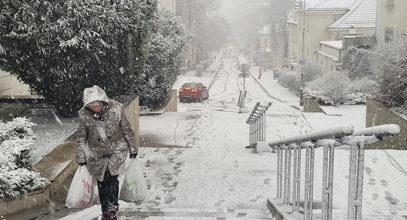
[302,87]
[302,62]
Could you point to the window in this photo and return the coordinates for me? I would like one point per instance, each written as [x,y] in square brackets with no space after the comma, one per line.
[390,5]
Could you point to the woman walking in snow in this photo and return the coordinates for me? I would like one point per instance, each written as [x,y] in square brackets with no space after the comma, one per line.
[104,138]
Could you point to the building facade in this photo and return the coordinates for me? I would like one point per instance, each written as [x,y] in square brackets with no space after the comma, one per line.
[391,19]
[10,86]
[169,5]
[318,25]
[264,47]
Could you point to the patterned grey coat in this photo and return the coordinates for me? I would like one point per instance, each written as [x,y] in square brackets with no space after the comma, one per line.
[104,144]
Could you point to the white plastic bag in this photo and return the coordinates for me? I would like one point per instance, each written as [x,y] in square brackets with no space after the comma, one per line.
[134,187]
[82,191]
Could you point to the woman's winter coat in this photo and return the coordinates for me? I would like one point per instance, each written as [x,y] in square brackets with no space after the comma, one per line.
[103,142]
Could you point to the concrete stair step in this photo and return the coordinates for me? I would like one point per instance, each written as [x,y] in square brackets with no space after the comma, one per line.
[132,213]
[191,213]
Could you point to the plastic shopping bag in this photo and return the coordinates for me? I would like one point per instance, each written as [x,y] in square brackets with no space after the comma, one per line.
[82,191]
[134,187]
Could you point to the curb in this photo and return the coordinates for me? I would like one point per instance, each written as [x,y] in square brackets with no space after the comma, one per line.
[214,75]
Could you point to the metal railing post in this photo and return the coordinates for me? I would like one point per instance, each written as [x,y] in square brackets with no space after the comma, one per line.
[328,140]
[287,176]
[250,134]
[309,180]
[327,180]
[279,172]
[296,177]
[264,126]
[356,168]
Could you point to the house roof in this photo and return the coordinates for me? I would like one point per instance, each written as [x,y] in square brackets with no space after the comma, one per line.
[328,5]
[361,15]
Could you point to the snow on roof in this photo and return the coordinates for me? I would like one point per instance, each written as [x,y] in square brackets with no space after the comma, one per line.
[265,30]
[361,15]
[337,44]
[322,5]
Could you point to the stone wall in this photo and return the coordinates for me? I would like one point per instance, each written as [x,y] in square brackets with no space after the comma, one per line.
[311,106]
[132,114]
[173,103]
[378,114]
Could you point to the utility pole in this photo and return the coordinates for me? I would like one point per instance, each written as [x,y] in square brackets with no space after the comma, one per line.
[244,78]
[302,63]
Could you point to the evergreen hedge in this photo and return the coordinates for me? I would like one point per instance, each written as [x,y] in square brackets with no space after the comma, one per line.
[60,47]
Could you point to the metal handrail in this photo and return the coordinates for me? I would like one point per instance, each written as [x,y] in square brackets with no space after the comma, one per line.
[257,123]
[336,132]
[289,166]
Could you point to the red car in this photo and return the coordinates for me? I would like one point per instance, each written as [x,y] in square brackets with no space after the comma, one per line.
[193,92]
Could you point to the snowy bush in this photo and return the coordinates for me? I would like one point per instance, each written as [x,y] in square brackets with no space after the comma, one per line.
[366,86]
[358,63]
[312,71]
[336,88]
[332,87]
[390,64]
[16,140]
[290,80]
[60,47]
[163,60]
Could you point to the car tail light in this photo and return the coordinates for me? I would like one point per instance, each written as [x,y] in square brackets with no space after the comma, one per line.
[181,90]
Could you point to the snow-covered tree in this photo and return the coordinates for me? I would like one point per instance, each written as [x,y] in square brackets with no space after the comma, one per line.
[60,47]
[164,59]
[16,141]
[209,31]
[390,65]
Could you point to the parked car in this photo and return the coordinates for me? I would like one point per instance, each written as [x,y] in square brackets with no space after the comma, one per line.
[193,92]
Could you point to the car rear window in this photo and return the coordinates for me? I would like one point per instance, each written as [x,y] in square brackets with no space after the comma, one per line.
[190,85]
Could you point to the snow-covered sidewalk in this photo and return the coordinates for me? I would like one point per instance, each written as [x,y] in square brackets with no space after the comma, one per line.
[354,115]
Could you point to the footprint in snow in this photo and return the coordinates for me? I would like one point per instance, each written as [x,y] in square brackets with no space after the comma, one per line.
[392,200]
[374,160]
[170,200]
[368,170]
[375,196]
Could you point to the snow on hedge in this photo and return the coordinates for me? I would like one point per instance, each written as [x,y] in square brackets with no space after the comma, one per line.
[16,141]
[336,88]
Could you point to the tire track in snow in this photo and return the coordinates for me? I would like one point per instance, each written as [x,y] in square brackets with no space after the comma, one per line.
[395,164]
